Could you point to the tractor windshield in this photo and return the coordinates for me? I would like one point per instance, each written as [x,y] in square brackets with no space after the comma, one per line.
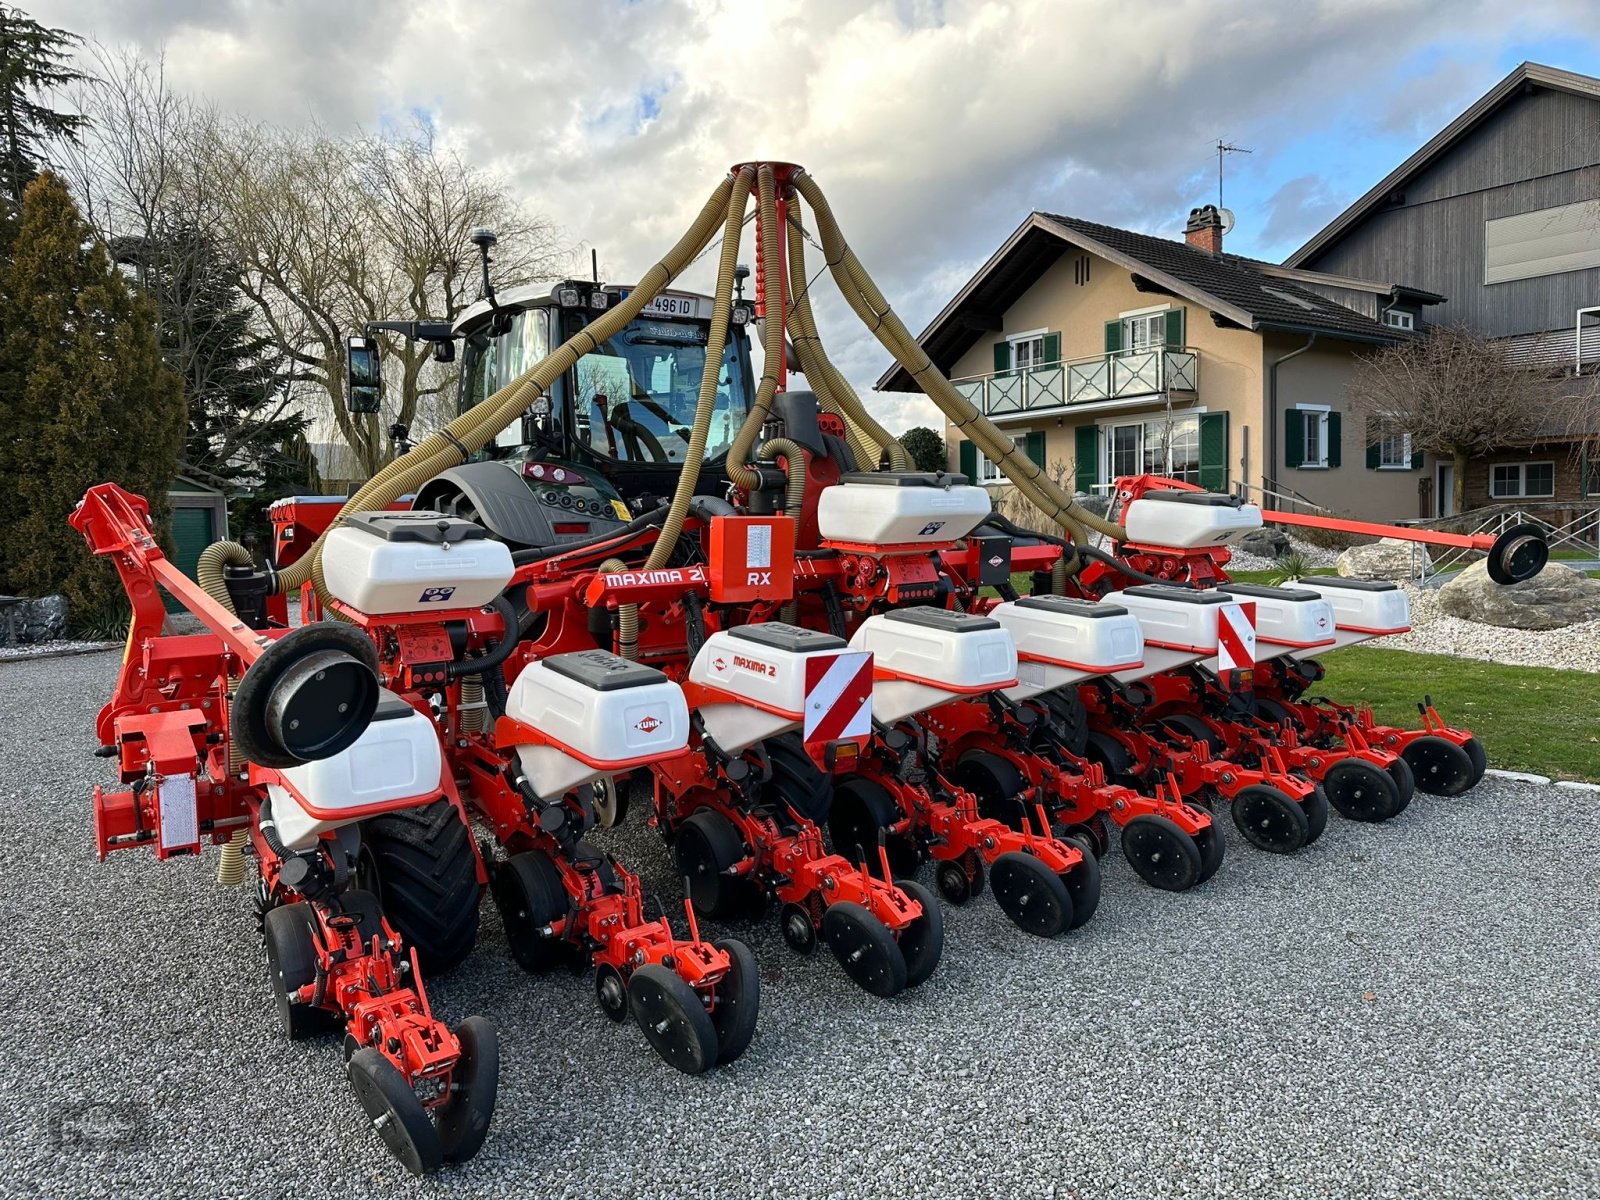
[636,394]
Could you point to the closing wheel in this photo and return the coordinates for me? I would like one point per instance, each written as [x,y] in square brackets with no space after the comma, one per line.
[865,948]
[291,964]
[708,847]
[996,784]
[1442,768]
[1405,780]
[798,931]
[1517,554]
[530,896]
[1479,757]
[922,941]
[1091,831]
[395,1111]
[1031,894]
[960,879]
[1361,791]
[862,808]
[1211,846]
[674,1021]
[463,1120]
[1316,806]
[1270,819]
[1083,885]
[611,992]
[1162,855]
[738,1000]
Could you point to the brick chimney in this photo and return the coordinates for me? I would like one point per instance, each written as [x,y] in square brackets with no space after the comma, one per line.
[1204,230]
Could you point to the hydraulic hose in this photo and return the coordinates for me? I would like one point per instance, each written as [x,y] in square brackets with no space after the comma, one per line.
[640,523]
[739,472]
[824,377]
[470,431]
[501,649]
[869,304]
[209,573]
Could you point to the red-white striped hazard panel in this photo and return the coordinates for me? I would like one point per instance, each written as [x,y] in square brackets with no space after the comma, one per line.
[1236,636]
[838,696]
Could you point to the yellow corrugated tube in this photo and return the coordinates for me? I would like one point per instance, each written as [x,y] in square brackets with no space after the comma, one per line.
[209,573]
[744,441]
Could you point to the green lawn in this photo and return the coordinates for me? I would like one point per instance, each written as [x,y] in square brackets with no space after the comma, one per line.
[1528,718]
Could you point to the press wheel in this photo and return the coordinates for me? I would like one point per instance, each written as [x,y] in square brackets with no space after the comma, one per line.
[1091,830]
[1162,854]
[463,1121]
[1442,768]
[1480,760]
[922,941]
[1270,819]
[1210,844]
[1083,886]
[995,782]
[1316,806]
[1361,791]
[865,948]
[708,847]
[1405,780]
[1035,898]
[674,1021]
[738,999]
[395,1112]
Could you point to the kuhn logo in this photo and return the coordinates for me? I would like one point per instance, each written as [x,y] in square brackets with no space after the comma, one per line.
[436,595]
[719,664]
[648,725]
[759,668]
[996,561]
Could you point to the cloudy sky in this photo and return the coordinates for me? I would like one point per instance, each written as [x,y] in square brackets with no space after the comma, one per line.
[934,126]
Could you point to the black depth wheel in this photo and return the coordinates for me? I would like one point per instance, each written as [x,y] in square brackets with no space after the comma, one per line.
[1270,819]
[291,964]
[1480,760]
[1316,806]
[922,941]
[530,896]
[996,784]
[1361,791]
[865,948]
[1442,768]
[1031,894]
[1162,854]
[463,1120]
[421,865]
[708,846]
[1083,885]
[862,808]
[1196,729]
[673,1019]
[1211,846]
[1405,781]
[738,1001]
[395,1111]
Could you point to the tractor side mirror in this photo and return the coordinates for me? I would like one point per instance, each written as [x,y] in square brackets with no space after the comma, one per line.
[363,381]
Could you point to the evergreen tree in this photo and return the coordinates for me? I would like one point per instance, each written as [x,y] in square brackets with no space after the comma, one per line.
[925,447]
[86,398]
[32,59]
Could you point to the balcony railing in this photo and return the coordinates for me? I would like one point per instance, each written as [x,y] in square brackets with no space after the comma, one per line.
[1082,381]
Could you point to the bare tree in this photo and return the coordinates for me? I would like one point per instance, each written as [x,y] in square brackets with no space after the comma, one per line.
[1459,396]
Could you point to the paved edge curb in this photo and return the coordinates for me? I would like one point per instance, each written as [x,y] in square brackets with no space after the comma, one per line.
[1572,785]
[72,652]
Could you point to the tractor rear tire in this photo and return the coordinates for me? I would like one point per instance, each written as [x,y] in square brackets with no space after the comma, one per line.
[421,864]
[798,783]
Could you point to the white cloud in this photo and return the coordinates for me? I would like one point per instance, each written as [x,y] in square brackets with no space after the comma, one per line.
[934,127]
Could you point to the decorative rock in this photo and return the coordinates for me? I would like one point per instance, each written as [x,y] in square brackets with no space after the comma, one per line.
[1386,559]
[1556,597]
[1267,542]
[24,622]
[1519,776]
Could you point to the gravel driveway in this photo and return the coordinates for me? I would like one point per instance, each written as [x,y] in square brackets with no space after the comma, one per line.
[1401,1010]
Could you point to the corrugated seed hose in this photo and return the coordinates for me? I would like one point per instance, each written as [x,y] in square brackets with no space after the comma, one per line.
[469,432]
[209,573]
[739,471]
[869,304]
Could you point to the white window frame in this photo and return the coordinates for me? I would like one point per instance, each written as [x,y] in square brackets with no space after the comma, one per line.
[1399,318]
[1320,413]
[1033,338]
[1521,469]
[1156,314]
[989,473]
[1405,458]
[1107,425]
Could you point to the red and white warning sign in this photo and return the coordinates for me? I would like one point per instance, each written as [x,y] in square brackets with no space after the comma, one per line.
[1236,636]
[838,700]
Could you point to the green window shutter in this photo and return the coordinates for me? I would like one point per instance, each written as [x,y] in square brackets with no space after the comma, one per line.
[1335,438]
[1175,327]
[1113,336]
[1036,446]
[1214,451]
[1374,455]
[1294,437]
[1002,357]
[1416,459]
[1087,442]
[967,456]
[1052,347]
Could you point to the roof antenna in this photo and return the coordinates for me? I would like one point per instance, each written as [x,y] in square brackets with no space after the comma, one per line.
[1225,148]
[594,263]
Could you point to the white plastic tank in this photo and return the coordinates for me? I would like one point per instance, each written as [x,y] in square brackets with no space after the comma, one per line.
[1362,608]
[1287,619]
[1063,640]
[394,764]
[890,508]
[1188,520]
[405,562]
[600,714]
[923,657]
[1180,625]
